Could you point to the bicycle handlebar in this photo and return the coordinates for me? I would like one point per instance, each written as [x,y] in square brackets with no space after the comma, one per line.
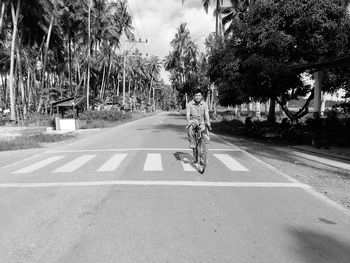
[206,125]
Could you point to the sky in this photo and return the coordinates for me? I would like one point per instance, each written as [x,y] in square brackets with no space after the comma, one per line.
[158,20]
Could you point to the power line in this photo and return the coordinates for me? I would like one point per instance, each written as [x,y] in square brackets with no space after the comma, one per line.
[132,18]
[143,28]
[136,27]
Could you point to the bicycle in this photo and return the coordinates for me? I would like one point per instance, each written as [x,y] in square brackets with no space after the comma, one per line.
[200,151]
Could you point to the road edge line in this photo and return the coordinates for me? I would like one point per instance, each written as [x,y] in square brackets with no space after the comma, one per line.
[154,183]
[308,189]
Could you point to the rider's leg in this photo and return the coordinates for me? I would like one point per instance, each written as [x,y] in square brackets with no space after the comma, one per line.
[205,134]
[190,134]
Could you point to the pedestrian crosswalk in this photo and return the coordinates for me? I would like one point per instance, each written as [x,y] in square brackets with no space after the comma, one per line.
[74,164]
[153,162]
[38,165]
[187,166]
[230,163]
[112,164]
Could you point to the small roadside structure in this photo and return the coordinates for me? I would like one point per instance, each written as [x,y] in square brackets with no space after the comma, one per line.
[66,112]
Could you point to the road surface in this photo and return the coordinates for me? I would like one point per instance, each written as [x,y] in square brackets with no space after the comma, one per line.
[132,194]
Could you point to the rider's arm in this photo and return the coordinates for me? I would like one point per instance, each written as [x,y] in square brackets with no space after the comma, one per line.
[188,113]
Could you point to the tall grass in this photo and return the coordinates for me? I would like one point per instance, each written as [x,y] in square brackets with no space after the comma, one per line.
[30,140]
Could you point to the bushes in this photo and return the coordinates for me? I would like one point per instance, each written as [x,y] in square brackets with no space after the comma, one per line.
[105,115]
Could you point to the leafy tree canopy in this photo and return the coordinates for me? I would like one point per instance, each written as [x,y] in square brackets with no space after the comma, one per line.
[272,35]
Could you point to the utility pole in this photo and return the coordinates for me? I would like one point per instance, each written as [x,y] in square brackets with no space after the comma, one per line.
[124,62]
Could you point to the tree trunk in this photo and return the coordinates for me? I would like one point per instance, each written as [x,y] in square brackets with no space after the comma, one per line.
[150,90]
[89,46]
[70,64]
[129,84]
[294,117]
[154,102]
[15,15]
[217,18]
[30,97]
[107,78]
[272,114]
[21,84]
[118,84]
[2,14]
[102,83]
[45,58]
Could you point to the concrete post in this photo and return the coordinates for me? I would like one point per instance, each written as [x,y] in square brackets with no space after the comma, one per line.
[318,91]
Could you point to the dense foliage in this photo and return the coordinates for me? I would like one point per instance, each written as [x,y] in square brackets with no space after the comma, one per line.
[266,39]
[105,115]
[44,54]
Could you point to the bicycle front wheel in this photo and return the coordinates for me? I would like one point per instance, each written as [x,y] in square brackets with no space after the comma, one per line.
[202,156]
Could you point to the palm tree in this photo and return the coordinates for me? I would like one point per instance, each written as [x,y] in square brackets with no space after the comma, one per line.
[218,4]
[70,21]
[179,44]
[49,52]
[154,68]
[123,22]
[233,12]
[182,61]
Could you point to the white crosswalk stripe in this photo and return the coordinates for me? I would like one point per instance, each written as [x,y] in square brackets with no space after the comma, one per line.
[187,166]
[113,163]
[231,163]
[75,164]
[153,162]
[38,165]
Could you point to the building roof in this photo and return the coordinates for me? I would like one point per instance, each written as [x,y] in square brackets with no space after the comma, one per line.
[323,64]
[70,102]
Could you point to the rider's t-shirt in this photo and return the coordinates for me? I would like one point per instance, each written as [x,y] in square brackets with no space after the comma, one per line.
[197,111]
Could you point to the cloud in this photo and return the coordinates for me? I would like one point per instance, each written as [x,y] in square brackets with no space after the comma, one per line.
[158,20]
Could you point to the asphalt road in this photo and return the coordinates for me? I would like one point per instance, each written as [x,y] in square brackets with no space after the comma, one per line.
[132,194]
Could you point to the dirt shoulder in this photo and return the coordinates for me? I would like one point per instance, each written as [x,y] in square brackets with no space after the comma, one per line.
[330,181]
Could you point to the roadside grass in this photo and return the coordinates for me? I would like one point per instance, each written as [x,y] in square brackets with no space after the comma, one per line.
[30,140]
[94,124]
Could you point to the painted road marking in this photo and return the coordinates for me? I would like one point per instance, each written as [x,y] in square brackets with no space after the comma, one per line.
[157,183]
[113,163]
[231,163]
[187,165]
[153,162]
[38,165]
[145,149]
[75,164]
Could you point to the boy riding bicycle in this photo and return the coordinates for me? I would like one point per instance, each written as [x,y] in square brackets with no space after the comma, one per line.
[197,113]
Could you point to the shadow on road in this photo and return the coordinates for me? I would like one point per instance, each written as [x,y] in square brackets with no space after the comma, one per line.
[317,247]
[176,114]
[186,158]
[178,128]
